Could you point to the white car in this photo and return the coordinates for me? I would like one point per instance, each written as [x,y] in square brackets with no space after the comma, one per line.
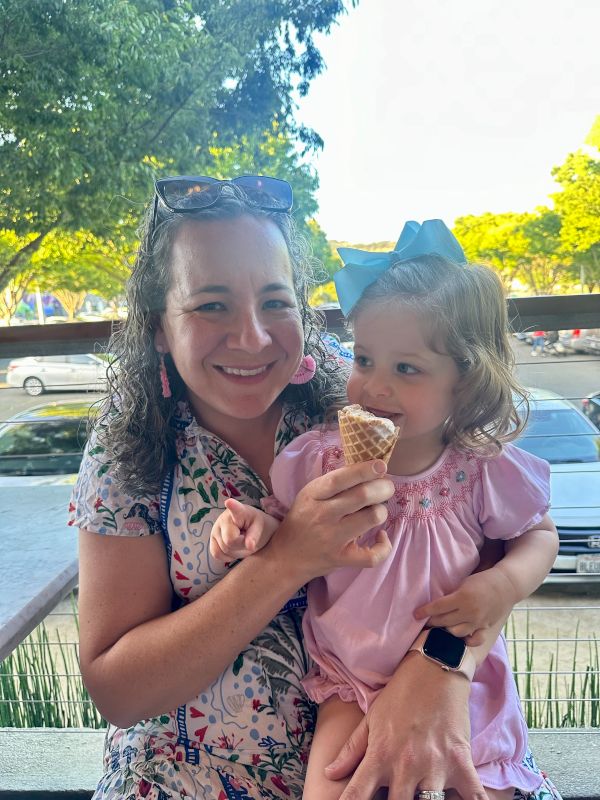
[558,432]
[37,374]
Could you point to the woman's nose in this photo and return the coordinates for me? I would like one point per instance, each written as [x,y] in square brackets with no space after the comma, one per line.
[249,334]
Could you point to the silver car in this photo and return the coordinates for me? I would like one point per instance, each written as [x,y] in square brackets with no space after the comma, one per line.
[558,432]
[37,374]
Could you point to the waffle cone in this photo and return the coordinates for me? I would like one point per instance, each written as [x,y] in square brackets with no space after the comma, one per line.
[365,436]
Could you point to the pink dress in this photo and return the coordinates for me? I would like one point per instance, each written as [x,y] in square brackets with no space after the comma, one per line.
[360,624]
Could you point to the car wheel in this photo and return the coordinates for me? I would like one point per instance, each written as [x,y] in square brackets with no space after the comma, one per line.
[33,386]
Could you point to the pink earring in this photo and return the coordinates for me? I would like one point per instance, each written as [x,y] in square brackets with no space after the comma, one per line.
[164,378]
[305,372]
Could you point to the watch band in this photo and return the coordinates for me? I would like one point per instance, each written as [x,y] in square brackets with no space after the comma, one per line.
[466,667]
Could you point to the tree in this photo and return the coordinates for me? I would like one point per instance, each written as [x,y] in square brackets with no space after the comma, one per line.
[579,207]
[12,293]
[546,263]
[495,239]
[71,265]
[97,97]
[328,259]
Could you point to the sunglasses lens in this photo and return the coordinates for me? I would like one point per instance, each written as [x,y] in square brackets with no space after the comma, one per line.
[187,193]
[266,192]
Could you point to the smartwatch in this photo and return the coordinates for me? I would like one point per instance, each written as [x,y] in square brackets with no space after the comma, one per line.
[448,651]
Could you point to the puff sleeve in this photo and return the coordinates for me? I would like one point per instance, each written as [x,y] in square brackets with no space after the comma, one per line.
[99,505]
[514,493]
[297,465]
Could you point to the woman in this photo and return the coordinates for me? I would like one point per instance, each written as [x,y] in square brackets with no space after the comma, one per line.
[209,656]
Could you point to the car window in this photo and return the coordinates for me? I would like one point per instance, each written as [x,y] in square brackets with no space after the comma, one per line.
[81,359]
[560,436]
[52,437]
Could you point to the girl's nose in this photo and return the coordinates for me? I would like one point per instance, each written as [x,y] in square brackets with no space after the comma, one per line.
[378,386]
[249,334]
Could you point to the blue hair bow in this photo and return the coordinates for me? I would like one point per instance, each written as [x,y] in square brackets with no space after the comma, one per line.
[362,267]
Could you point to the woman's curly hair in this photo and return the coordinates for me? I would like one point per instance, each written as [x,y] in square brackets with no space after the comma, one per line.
[135,428]
[465,309]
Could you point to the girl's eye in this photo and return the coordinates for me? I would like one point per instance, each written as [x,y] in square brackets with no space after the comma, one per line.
[214,306]
[406,369]
[361,361]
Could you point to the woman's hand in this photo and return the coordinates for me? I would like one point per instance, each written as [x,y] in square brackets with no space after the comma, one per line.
[415,736]
[329,514]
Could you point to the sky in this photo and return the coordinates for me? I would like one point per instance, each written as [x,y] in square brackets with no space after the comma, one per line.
[432,108]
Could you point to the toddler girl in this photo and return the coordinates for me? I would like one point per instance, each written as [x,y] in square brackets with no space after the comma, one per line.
[432,354]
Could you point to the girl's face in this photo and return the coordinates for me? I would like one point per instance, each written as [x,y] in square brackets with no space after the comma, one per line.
[231,323]
[396,374]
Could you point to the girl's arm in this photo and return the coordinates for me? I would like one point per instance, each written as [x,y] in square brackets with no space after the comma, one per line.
[529,558]
[486,597]
[139,659]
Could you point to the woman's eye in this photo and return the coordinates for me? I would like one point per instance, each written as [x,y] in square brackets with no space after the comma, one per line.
[214,306]
[276,304]
[406,369]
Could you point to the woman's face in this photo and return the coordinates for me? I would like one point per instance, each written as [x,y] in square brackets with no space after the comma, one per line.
[231,322]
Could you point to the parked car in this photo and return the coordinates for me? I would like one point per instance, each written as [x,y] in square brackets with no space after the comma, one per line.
[590,406]
[561,434]
[590,341]
[44,440]
[570,340]
[37,374]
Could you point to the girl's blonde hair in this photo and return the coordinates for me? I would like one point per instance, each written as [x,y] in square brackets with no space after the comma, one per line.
[466,309]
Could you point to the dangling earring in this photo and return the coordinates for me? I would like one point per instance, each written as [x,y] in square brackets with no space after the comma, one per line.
[164,377]
[305,372]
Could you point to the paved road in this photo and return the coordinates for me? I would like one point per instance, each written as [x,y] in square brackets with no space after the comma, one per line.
[572,376]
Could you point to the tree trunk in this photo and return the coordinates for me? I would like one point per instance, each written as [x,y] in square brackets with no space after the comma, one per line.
[10,268]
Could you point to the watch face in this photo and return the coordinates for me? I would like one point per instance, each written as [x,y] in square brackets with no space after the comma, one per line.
[444,647]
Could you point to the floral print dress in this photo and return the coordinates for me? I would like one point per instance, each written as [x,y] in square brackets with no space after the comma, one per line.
[247,736]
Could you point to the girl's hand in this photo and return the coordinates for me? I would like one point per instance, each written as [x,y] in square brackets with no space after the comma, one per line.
[415,736]
[329,514]
[240,531]
[483,599]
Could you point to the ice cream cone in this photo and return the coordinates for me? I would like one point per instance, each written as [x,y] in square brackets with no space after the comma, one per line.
[365,436]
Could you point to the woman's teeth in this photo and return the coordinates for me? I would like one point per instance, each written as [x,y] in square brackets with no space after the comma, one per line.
[243,372]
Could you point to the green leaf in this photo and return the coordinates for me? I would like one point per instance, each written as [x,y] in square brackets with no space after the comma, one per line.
[199,515]
[199,473]
[214,490]
[237,664]
[203,494]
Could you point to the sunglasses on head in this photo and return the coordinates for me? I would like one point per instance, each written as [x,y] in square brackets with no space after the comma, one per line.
[185,194]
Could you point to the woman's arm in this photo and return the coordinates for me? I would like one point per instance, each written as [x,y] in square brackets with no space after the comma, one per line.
[139,659]
[416,734]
